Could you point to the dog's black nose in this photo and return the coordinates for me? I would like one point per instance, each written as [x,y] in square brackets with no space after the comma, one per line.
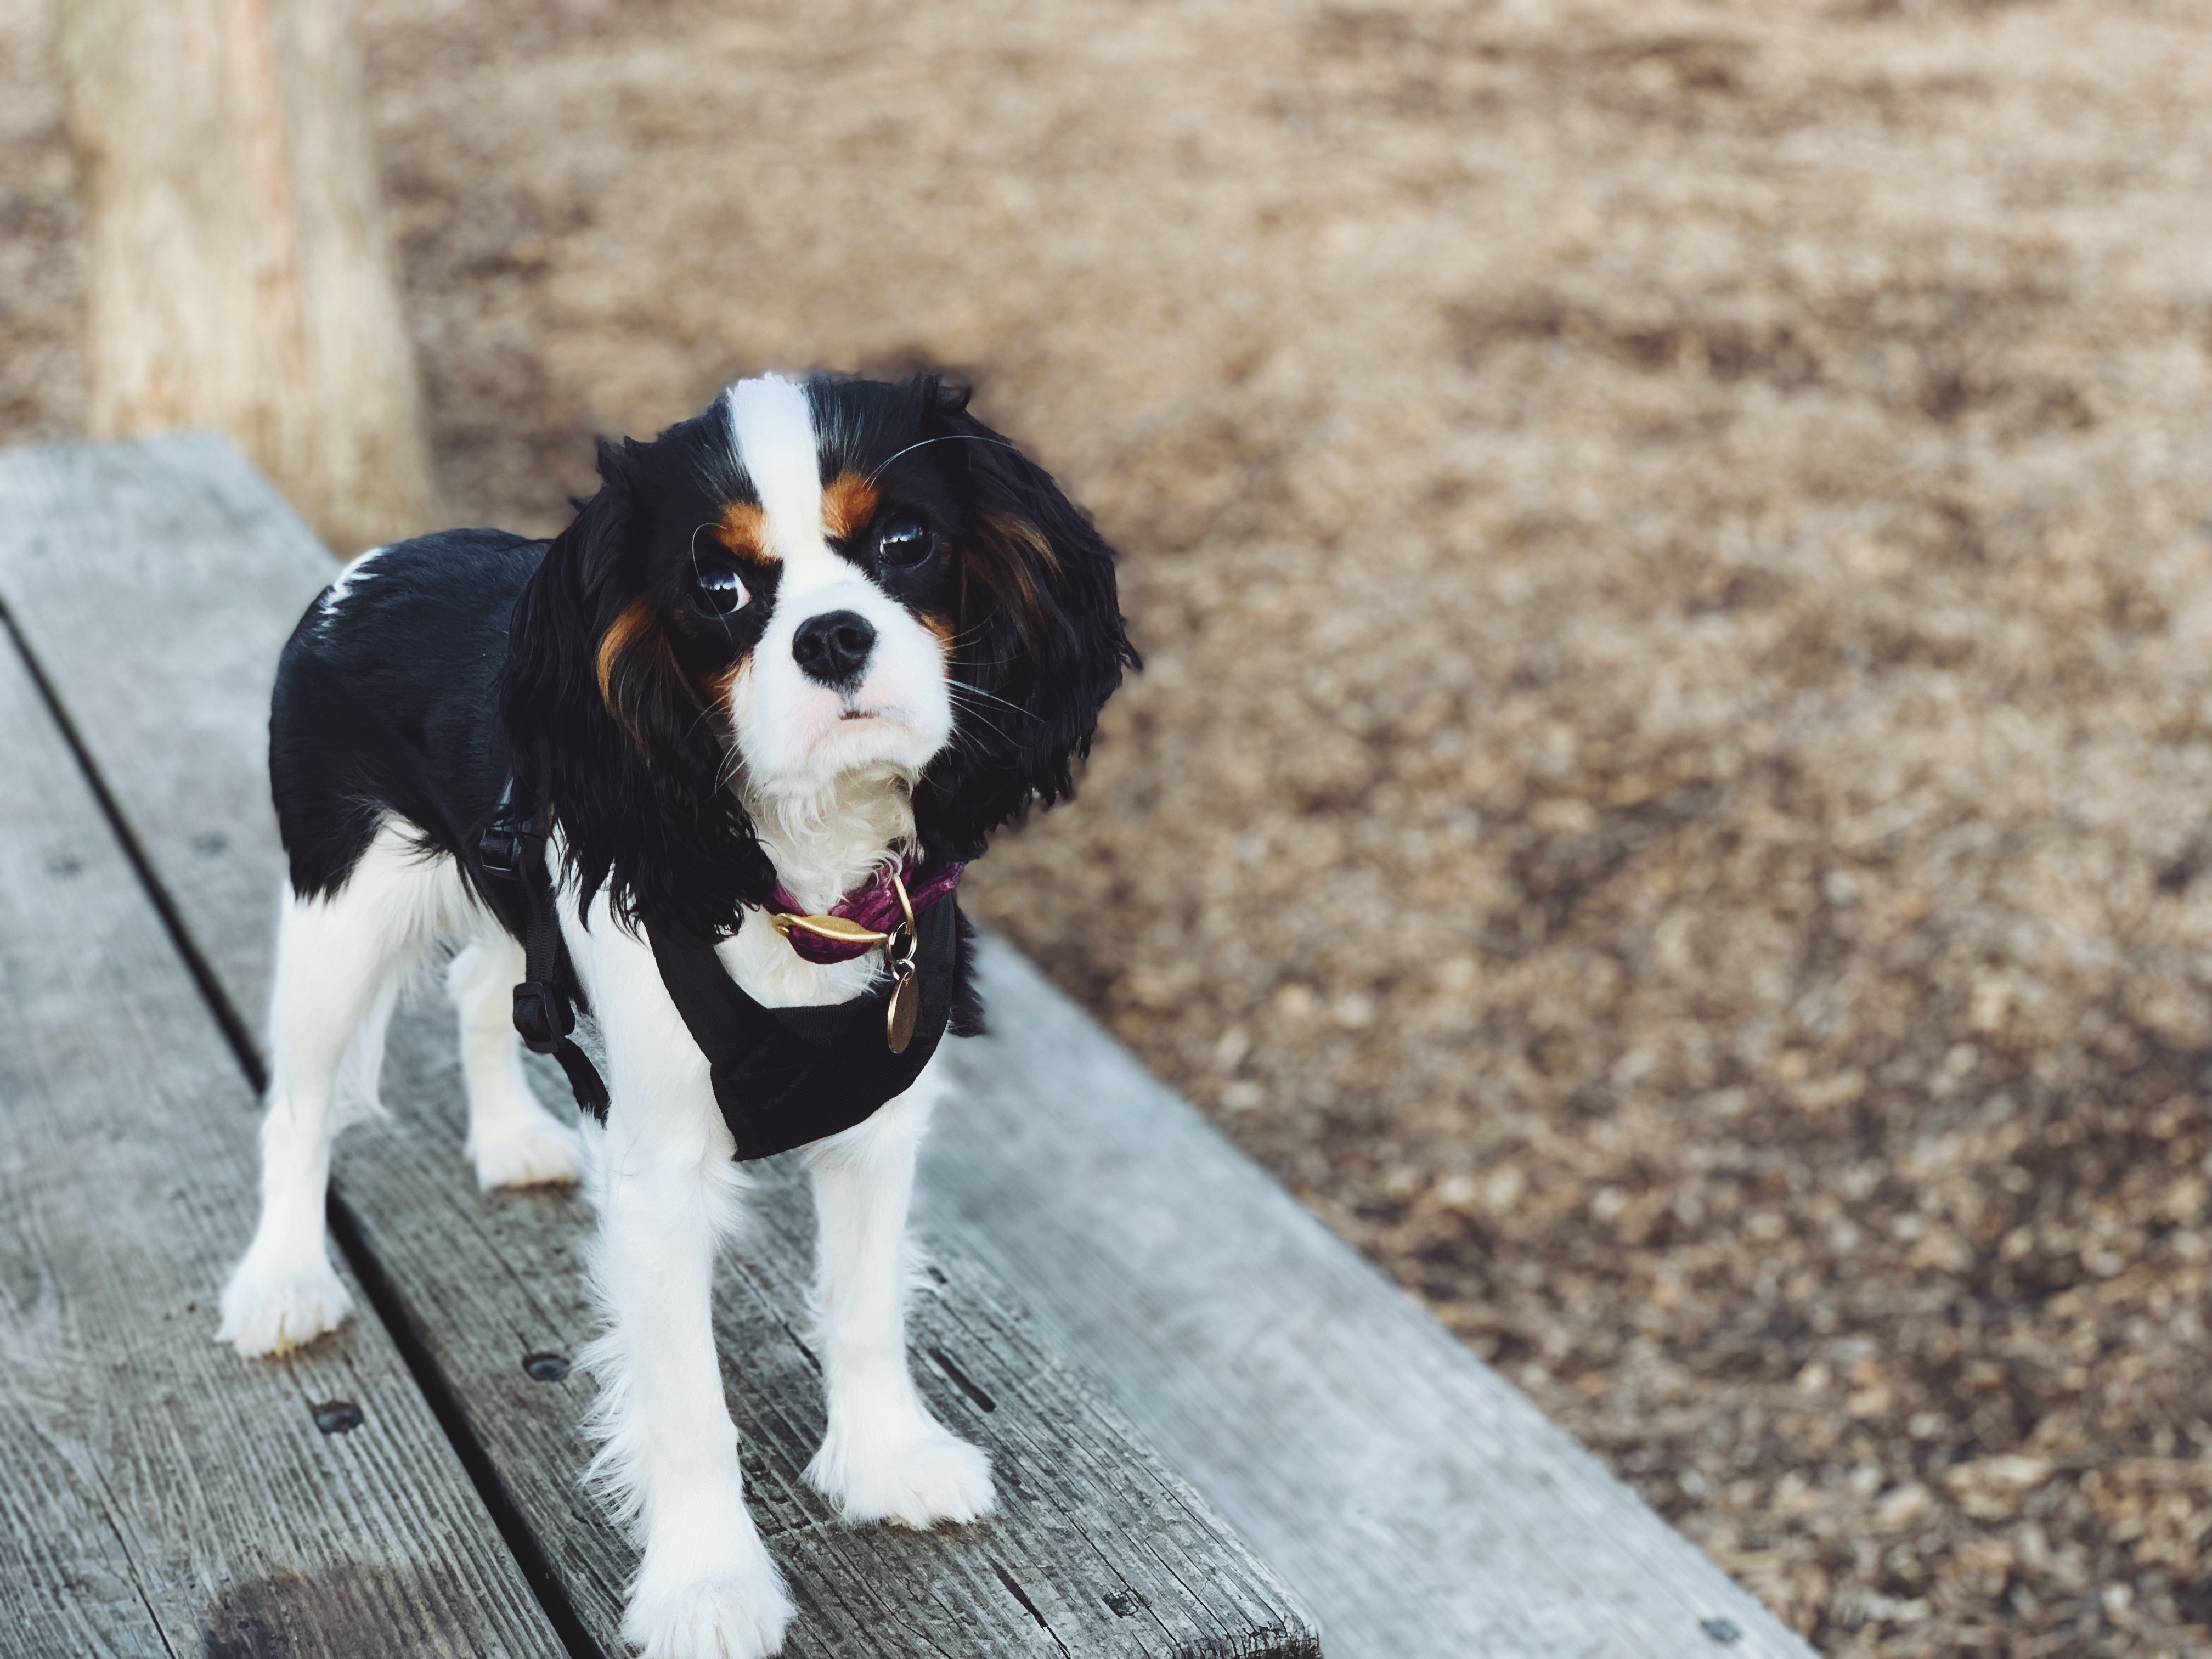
[834,647]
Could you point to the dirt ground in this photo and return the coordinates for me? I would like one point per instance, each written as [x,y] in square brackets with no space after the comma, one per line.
[1674,548]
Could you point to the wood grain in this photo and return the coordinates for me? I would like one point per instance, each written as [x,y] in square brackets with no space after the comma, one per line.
[1420,1505]
[154,582]
[157,1493]
[1115,1554]
[1096,1549]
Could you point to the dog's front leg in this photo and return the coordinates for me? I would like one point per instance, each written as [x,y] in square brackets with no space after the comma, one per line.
[706,1587]
[884,1457]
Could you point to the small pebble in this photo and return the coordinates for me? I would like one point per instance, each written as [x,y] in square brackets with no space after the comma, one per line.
[337,1416]
[1719,1629]
[545,1367]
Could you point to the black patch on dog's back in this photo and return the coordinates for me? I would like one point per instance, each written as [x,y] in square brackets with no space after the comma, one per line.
[386,702]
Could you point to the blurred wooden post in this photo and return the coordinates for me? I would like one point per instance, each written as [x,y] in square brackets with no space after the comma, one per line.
[239,273]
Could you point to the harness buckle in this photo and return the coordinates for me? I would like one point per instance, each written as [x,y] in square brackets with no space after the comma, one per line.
[500,849]
[541,1015]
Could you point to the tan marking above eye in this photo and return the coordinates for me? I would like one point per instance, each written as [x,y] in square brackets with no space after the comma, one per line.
[848,501]
[744,531]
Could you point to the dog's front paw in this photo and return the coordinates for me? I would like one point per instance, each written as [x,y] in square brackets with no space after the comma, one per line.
[914,1472]
[738,1613]
[269,1306]
[535,1151]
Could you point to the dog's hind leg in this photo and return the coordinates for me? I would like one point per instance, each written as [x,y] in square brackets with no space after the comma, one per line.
[340,960]
[884,1457]
[512,1140]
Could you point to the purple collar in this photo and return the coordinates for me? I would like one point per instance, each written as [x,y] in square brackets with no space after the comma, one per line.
[873,909]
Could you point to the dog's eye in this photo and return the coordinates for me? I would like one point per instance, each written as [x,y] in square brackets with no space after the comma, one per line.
[722,593]
[904,543]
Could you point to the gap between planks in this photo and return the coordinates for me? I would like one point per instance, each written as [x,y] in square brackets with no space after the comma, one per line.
[223,1506]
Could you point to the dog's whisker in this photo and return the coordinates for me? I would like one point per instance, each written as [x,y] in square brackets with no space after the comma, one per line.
[949,437]
[966,717]
[987,725]
[699,576]
[968,697]
[978,691]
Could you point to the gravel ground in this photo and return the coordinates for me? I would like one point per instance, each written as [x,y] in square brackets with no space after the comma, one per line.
[1670,799]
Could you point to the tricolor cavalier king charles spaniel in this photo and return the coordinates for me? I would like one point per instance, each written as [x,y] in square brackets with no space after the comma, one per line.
[823,630]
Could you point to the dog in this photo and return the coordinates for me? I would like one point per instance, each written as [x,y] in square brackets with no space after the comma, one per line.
[825,631]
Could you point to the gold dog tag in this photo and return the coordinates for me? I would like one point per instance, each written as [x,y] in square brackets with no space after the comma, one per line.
[906,995]
[906,1003]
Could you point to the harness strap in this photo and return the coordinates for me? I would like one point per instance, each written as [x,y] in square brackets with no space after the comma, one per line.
[782,1077]
[511,852]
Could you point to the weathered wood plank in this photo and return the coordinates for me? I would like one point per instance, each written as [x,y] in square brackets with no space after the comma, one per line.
[1117,1555]
[155,581]
[1097,1548]
[157,1494]
[1420,1505]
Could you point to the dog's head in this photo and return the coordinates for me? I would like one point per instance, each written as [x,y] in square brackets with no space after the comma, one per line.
[807,582]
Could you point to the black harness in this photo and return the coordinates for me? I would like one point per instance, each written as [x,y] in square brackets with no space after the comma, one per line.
[782,1077]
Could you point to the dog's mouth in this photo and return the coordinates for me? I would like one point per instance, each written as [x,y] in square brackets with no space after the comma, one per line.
[860,725]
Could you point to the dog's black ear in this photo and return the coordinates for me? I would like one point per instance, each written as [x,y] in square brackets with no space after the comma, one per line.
[604,726]
[1039,642]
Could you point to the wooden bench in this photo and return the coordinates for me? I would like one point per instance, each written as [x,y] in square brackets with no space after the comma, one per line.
[157,1493]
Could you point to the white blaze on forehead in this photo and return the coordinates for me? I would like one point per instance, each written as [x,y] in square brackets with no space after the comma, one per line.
[774,433]
[793,731]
